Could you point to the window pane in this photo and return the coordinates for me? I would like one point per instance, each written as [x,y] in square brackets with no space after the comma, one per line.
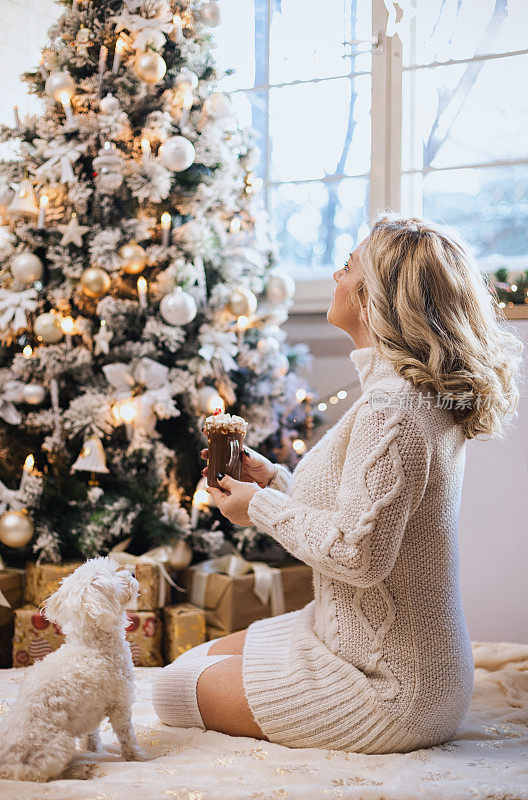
[318,129]
[241,42]
[488,206]
[452,29]
[318,224]
[306,39]
[251,111]
[468,113]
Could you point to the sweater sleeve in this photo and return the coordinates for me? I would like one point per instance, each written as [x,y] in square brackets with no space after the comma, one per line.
[383,480]
[281,479]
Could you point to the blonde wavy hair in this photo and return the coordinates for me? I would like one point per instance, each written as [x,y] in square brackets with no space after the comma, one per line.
[432,314]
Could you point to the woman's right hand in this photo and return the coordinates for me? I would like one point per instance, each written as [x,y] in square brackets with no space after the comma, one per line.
[255,467]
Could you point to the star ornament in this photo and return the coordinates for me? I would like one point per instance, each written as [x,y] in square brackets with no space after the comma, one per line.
[73,232]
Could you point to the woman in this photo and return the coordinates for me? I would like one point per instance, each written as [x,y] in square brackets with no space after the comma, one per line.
[380,661]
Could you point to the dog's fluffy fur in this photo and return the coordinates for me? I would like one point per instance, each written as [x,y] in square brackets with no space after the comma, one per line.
[90,677]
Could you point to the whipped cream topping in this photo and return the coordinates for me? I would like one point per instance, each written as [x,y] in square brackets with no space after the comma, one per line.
[225,422]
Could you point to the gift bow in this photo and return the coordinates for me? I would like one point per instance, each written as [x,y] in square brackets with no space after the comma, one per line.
[150,374]
[268,580]
[14,306]
[158,556]
[10,393]
[219,345]
[61,154]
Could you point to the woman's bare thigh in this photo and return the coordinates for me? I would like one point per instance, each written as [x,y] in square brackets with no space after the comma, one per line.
[222,702]
[231,645]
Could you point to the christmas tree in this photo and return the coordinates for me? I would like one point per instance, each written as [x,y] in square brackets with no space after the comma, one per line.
[139,290]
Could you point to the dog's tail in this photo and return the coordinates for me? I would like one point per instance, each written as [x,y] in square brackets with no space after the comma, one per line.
[36,761]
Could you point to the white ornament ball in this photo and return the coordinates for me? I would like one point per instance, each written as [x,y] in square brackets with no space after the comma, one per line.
[26,267]
[16,529]
[186,78]
[242,302]
[134,258]
[177,153]
[268,345]
[109,104]
[95,282]
[280,287]
[178,307]
[150,67]
[210,400]
[33,394]
[210,14]
[58,83]
[47,327]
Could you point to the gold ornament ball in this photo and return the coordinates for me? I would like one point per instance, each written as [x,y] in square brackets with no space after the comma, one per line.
[242,302]
[16,529]
[150,67]
[180,555]
[47,328]
[95,282]
[134,258]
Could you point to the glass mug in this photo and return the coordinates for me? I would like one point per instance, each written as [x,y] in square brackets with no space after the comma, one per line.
[224,454]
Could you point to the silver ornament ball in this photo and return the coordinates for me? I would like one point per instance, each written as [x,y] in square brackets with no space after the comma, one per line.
[280,287]
[26,267]
[16,529]
[47,327]
[177,153]
[150,67]
[187,78]
[33,394]
[178,307]
[58,83]
[242,302]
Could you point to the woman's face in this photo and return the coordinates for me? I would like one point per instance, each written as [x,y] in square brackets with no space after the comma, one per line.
[344,310]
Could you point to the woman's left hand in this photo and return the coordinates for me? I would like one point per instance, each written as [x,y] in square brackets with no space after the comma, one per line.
[233,498]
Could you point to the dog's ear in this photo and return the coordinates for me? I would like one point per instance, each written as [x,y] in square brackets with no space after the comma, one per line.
[53,607]
[100,601]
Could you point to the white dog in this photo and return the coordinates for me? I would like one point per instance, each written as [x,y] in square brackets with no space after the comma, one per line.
[73,689]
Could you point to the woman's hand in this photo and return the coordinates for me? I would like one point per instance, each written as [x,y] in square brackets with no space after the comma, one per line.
[233,498]
[254,467]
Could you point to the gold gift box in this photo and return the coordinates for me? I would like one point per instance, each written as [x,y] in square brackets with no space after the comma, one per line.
[211,632]
[44,579]
[35,636]
[183,628]
[231,603]
[12,587]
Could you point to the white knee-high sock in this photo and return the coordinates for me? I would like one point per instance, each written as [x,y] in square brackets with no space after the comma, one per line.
[197,651]
[174,691]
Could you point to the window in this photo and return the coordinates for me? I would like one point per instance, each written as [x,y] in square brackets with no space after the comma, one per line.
[465,123]
[434,127]
[307,91]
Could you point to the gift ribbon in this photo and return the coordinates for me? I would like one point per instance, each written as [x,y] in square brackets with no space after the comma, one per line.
[159,556]
[268,580]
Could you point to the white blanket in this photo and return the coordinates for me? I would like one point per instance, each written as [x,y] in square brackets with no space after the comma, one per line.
[488,760]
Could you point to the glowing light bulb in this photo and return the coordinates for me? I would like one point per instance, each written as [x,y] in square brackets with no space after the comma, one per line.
[27,351]
[68,325]
[127,412]
[341,394]
[29,463]
[322,406]
[300,394]
[299,446]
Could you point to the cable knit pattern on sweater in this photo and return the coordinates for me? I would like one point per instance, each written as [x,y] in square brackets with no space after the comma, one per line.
[380,660]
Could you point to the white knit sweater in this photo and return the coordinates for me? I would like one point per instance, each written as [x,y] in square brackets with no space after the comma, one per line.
[380,661]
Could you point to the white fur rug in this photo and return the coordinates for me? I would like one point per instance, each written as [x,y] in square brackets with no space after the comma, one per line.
[488,761]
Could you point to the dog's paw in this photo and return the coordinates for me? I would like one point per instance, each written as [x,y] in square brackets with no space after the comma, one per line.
[135,754]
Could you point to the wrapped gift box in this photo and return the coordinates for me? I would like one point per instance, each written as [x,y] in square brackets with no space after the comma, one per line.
[35,636]
[211,632]
[183,628]
[44,579]
[230,602]
[12,583]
